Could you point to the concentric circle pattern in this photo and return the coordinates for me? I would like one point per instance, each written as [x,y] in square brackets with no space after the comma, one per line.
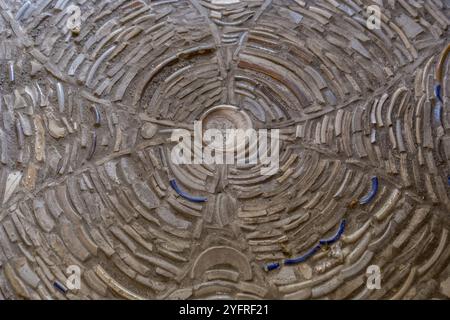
[87,180]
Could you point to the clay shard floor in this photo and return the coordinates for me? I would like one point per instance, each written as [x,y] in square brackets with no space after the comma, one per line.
[85,174]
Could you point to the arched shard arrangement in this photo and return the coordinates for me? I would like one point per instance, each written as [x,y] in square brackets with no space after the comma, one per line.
[174,185]
[322,243]
[86,171]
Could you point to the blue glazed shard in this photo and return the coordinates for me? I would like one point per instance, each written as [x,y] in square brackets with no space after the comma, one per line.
[372,193]
[184,195]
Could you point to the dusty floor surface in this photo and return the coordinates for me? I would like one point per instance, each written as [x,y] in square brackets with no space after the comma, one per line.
[85,179]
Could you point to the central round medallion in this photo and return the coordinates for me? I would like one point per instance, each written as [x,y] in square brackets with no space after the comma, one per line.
[226,119]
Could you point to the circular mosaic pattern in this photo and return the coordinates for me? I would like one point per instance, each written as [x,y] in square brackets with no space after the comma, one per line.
[90,94]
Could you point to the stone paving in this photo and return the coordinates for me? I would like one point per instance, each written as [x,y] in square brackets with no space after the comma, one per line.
[86,179]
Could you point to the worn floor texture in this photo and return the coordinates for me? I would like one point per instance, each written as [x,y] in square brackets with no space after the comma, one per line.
[85,122]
